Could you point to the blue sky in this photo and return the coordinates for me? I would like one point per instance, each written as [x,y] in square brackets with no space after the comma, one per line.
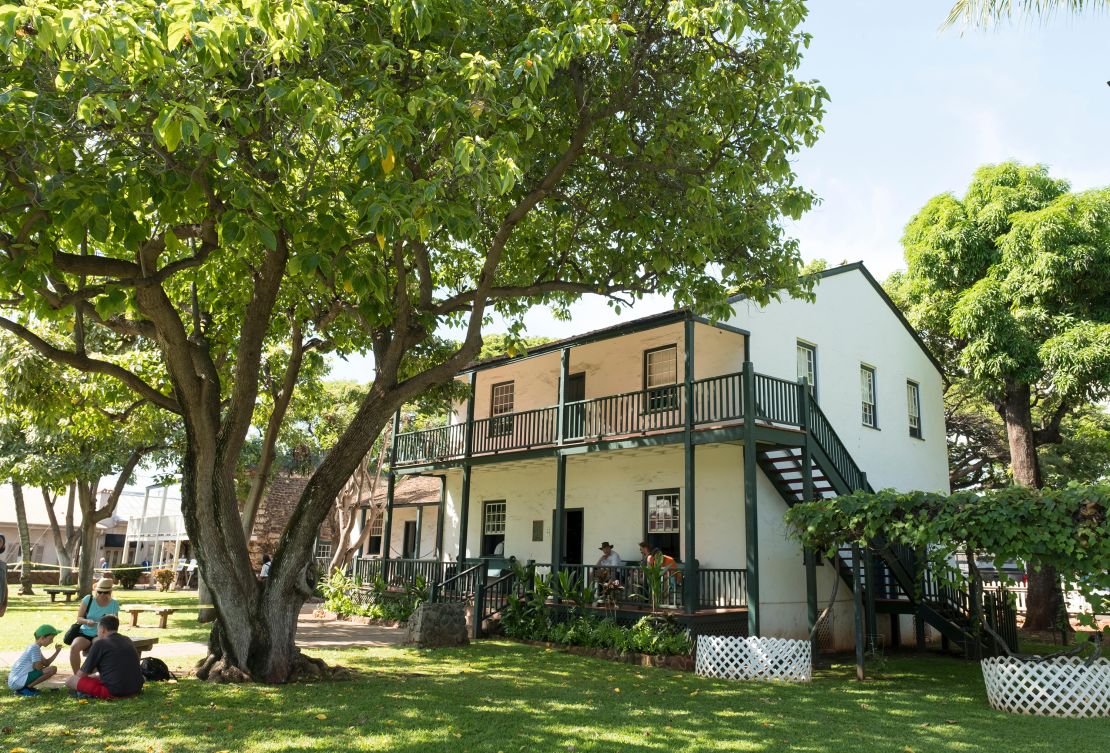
[913,111]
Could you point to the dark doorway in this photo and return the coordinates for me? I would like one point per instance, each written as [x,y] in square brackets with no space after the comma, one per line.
[573,529]
[574,423]
[408,543]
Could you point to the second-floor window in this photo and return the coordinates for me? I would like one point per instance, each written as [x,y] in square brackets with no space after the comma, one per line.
[501,408]
[867,396]
[807,364]
[660,378]
[913,406]
[493,529]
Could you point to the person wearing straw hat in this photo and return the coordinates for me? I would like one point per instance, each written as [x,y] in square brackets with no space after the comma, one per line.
[91,610]
[32,668]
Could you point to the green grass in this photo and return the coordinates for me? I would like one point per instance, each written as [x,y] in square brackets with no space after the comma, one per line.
[501,696]
[25,613]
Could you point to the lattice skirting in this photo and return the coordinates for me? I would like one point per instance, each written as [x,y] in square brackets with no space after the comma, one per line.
[1056,687]
[754,658]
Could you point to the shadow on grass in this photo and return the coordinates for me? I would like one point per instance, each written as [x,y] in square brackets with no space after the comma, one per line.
[498,696]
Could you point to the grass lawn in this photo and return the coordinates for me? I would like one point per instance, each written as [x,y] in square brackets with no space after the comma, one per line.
[25,613]
[500,696]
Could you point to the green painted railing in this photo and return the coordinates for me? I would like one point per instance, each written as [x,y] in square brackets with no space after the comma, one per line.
[821,429]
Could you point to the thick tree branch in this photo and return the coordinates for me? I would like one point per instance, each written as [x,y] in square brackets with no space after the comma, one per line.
[90,365]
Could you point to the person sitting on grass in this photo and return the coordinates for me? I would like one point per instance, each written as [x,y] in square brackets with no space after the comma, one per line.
[111,670]
[90,611]
[32,668]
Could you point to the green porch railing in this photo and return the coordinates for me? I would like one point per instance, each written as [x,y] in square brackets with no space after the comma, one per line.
[716,399]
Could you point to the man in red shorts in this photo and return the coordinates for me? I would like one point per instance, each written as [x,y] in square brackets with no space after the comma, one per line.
[111,668]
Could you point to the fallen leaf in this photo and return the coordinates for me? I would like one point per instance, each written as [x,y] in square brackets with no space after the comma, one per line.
[321,716]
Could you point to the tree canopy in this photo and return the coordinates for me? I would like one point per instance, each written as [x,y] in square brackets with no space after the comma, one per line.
[218,177]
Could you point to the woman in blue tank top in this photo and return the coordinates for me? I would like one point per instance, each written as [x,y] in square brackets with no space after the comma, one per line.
[92,608]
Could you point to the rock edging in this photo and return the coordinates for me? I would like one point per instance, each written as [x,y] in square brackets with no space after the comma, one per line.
[675,662]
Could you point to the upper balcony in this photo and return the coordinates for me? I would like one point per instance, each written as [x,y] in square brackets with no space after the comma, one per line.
[717,401]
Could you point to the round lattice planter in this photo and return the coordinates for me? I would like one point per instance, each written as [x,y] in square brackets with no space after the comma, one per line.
[754,658]
[1062,686]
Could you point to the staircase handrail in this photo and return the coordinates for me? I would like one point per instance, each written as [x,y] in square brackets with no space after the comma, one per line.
[852,476]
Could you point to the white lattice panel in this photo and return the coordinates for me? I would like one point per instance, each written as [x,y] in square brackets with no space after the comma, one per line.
[754,658]
[1062,686]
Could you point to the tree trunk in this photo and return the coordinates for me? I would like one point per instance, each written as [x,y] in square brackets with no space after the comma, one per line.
[73,538]
[1044,599]
[25,577]
[86,498]
[62,544]
[254,637]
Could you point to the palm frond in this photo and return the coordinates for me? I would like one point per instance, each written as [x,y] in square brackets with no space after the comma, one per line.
[985,13]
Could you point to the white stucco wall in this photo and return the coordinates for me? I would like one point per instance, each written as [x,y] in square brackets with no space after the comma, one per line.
[851,325]
[426,535]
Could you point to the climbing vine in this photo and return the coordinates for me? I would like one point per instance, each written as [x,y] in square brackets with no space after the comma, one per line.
[1066,528]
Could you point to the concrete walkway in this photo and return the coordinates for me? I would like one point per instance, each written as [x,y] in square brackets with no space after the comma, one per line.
[312,632]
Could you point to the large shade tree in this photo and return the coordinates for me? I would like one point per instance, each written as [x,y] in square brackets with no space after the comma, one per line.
[1011,284]
[206,176]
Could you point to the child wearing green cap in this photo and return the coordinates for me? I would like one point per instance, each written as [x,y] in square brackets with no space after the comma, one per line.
[32,668]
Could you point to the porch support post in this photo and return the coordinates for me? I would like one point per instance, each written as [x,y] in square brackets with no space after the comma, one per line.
[564,377]
[691,584]
[869,593]
[857,598]
[809,556]
[391,484]
[557,531]
[468,446]
[439,517]
[419,526]
[751,517]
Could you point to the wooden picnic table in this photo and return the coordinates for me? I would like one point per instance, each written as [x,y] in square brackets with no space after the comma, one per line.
[140,644]
[137,609]
[56,591]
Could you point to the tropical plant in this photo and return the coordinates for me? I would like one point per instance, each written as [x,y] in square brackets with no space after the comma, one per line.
[987,12]
[164,578]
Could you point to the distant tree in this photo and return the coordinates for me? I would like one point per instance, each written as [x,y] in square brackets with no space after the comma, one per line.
[67,540]
[1011,285]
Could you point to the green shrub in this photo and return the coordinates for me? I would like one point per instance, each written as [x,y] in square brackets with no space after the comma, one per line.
[127,577]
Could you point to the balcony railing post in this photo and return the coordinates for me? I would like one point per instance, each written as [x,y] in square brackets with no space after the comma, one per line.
[564,377]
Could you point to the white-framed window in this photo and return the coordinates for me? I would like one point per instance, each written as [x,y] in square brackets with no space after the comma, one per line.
[493,528]
[323,549]
[870,415]
[377,529]
[913,408]
[807,364]
[660,378]
[662,520]
[502,398]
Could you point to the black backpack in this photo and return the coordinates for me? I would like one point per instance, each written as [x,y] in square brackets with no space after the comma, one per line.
[155,670]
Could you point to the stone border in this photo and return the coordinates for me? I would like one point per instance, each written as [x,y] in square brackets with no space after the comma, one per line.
[1061,686]
[355,619]
[674,661]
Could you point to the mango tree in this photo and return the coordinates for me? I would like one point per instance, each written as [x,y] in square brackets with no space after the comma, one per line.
[1010,284]
[212,177]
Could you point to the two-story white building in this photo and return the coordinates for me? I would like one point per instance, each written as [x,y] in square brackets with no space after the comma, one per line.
[693,437]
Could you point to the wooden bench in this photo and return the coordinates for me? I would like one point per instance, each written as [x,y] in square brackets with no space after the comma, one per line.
[137,609]
[140,644]
[69,593]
